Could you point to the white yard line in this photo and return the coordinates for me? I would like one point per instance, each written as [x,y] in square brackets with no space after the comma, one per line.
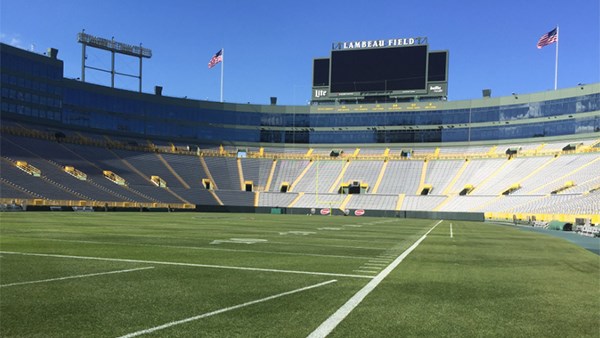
[208,314]
[383,260]
[330,323]
[451,234]
[188,264]
[74,277]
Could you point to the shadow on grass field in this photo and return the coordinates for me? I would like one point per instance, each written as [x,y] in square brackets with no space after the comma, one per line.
[589,243]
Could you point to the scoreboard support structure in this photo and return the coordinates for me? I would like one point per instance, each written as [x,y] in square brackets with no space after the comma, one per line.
[114,47]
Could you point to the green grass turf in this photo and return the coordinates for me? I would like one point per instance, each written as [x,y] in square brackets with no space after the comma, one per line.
[486,281]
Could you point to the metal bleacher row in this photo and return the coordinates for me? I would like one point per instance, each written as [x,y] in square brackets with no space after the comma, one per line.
[541,179]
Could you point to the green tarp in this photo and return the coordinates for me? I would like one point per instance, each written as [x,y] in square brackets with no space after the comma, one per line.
[558,225]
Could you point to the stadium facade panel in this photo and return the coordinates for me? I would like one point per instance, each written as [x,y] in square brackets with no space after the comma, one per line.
[35,90]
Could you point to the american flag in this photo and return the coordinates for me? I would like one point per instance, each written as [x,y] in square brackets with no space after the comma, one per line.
[218,57]
[548,38]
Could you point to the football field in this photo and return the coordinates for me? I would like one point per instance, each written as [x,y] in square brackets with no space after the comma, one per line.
[192,274]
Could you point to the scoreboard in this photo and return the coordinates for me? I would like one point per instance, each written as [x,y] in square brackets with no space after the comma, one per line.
[380,70]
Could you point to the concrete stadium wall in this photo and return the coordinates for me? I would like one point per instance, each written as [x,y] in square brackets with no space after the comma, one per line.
[458,216]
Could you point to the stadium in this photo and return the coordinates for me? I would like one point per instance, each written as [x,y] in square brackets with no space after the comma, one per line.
[265,204]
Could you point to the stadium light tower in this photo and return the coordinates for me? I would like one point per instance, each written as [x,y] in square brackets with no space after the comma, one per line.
[113,47]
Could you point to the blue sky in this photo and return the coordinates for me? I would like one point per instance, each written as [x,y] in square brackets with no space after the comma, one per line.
[269,45]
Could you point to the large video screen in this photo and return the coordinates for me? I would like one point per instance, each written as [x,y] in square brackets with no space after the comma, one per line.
[320,72]
[437,71]
[381,69]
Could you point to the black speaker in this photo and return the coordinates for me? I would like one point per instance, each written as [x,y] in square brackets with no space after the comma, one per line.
[158,90]
[273,100]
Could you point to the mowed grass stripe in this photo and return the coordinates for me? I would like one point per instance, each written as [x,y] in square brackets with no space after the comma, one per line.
[487,280]
[335,319]
[325,253]
[115,305]
[231,308]
[197,248]
[186,264]
[353,241]
[161,225]
[206,241]
[256,260]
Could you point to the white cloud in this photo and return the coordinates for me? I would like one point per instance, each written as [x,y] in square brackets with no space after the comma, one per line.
[15,42]
[12,39]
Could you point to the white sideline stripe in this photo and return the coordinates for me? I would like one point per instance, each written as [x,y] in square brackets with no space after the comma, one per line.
[189,264]
[208,314]
[330,323]
[76,276]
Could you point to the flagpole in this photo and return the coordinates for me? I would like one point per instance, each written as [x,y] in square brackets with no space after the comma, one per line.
[556,60]
[223,66]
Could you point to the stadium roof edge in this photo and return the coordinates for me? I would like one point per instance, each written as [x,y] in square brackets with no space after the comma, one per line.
[578,90]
